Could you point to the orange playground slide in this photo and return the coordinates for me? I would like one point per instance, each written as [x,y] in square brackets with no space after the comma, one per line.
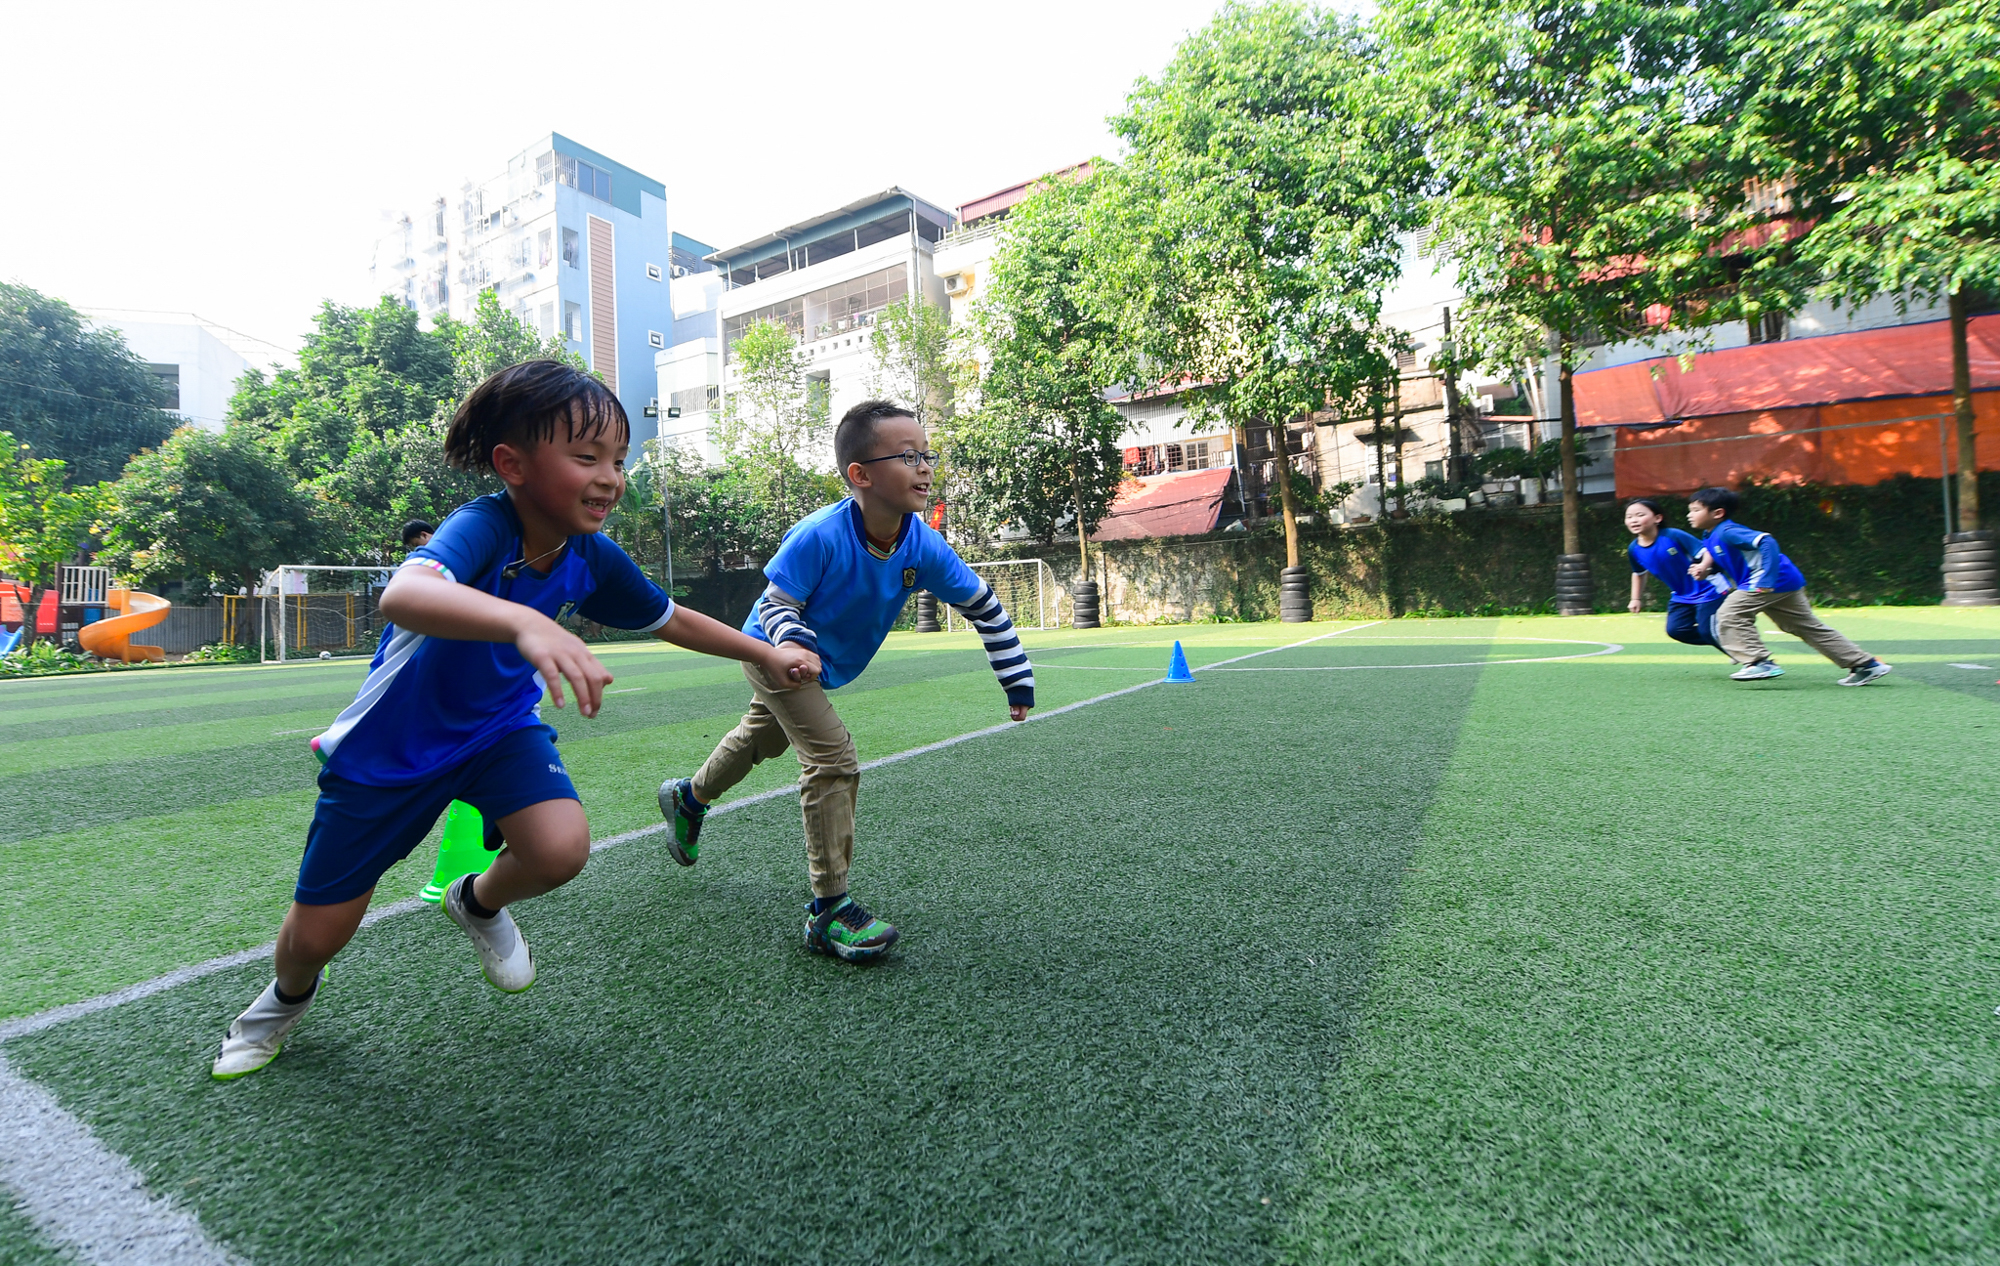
[108,638]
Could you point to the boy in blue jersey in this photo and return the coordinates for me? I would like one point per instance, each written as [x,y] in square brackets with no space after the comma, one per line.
[837,584]
[1668,553]
[451,706]
[1767,583]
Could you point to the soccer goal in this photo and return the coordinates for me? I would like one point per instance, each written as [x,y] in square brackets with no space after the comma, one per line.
[1024,586]
[312,608]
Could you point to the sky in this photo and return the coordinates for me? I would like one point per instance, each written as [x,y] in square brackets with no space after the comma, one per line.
[238,161]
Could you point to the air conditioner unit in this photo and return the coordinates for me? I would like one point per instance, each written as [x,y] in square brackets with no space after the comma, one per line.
[957,284]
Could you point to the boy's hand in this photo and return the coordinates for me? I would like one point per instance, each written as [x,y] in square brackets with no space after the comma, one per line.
[793,665]
[1019,711]
[558,653]
[1634,606]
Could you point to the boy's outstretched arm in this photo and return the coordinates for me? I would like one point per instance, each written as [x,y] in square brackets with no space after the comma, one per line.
[422,601]
[788,662]
[1004,652]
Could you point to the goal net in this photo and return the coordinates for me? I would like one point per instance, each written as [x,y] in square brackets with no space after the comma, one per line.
[313,609]
[1025,586]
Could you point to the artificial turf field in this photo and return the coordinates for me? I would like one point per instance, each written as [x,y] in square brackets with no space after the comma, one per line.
[1324,957]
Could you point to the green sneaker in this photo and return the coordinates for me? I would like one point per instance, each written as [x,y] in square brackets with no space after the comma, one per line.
[848,932]
[677,804]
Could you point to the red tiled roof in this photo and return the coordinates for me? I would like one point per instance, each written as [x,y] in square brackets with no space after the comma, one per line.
[1182,504]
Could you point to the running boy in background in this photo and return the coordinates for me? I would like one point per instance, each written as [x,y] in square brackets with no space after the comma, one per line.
[1767,583]
[451,706]
[1669,553]
[837,584]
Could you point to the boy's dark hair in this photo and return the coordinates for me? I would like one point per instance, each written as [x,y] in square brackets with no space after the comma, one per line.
[1649,503]
[414,529]
[521,404]
[1718,499]
[856,433]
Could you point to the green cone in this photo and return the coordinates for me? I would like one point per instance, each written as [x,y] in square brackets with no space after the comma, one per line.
[462,851]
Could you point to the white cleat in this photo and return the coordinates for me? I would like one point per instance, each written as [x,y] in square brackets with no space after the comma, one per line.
[256,1036]
[503,955]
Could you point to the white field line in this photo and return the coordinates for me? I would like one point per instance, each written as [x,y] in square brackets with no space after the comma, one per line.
[1607,648]
[84,1196]
[87,1198]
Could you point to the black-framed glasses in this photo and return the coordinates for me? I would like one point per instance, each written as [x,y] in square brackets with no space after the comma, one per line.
[909,456]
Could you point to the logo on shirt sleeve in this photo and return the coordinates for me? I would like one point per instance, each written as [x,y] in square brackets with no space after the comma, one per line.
[909,578]
[562,612]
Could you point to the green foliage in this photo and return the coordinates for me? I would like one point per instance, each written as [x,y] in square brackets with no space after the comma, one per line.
[43,522]
[917,363]
[1570,154]
[72,393]
[1879,119]
[495,339]
[1041,448]
[44,659]
[221,653]
[774,428]
[715,511]
[1248,238]
[217,506]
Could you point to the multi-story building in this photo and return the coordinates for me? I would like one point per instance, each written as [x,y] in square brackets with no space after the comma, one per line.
[197,360]
[571,242]
[825,279]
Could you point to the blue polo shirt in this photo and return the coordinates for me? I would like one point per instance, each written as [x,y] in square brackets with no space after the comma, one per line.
[432,702]
[1751,559]
[851,597]
[1669,557]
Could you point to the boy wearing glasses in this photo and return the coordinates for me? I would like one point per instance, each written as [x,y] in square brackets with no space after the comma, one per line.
[837,584]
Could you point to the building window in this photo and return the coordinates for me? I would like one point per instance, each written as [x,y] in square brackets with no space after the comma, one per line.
[652,272]
[170,381]
[546,325]
[572,248]
[1173,457]
[573,322]
[1434,470]
[574,172]
[1768,328]
[547,242]
[1194,456]
[656,338]
[1406,361]
[841,308]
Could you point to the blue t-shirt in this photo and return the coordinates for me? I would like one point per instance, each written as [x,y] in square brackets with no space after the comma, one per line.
[1669,557]
[430,702]
[851,597]
[1751,559]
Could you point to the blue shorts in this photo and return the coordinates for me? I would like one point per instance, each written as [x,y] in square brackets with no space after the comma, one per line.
[1693,622]
[358,831]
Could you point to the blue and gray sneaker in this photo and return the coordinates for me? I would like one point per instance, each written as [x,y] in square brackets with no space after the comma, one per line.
[1758,671]
[846,931]
[678,804]
[1873,670]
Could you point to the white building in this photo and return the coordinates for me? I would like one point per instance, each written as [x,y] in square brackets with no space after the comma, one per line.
[198,360]
[569,240]
[825,279]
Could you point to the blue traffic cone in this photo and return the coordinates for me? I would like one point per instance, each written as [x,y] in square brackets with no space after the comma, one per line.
[1178,669]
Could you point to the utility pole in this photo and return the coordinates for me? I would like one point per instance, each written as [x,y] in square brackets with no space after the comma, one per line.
[1452,417]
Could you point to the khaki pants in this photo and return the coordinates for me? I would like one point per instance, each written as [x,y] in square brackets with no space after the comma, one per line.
[805,721]
[1736,628]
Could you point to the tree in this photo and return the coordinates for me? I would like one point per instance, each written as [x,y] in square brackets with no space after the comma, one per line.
[1253,228]
[43,521]
[774,425]
[1042,446]
[714,512]
[1880,119]
[914,361]
[216,506]
[1568,148]
[494,339]
[71,393]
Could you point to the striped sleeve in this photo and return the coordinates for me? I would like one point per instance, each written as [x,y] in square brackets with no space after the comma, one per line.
[782,617]
[1003,648]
